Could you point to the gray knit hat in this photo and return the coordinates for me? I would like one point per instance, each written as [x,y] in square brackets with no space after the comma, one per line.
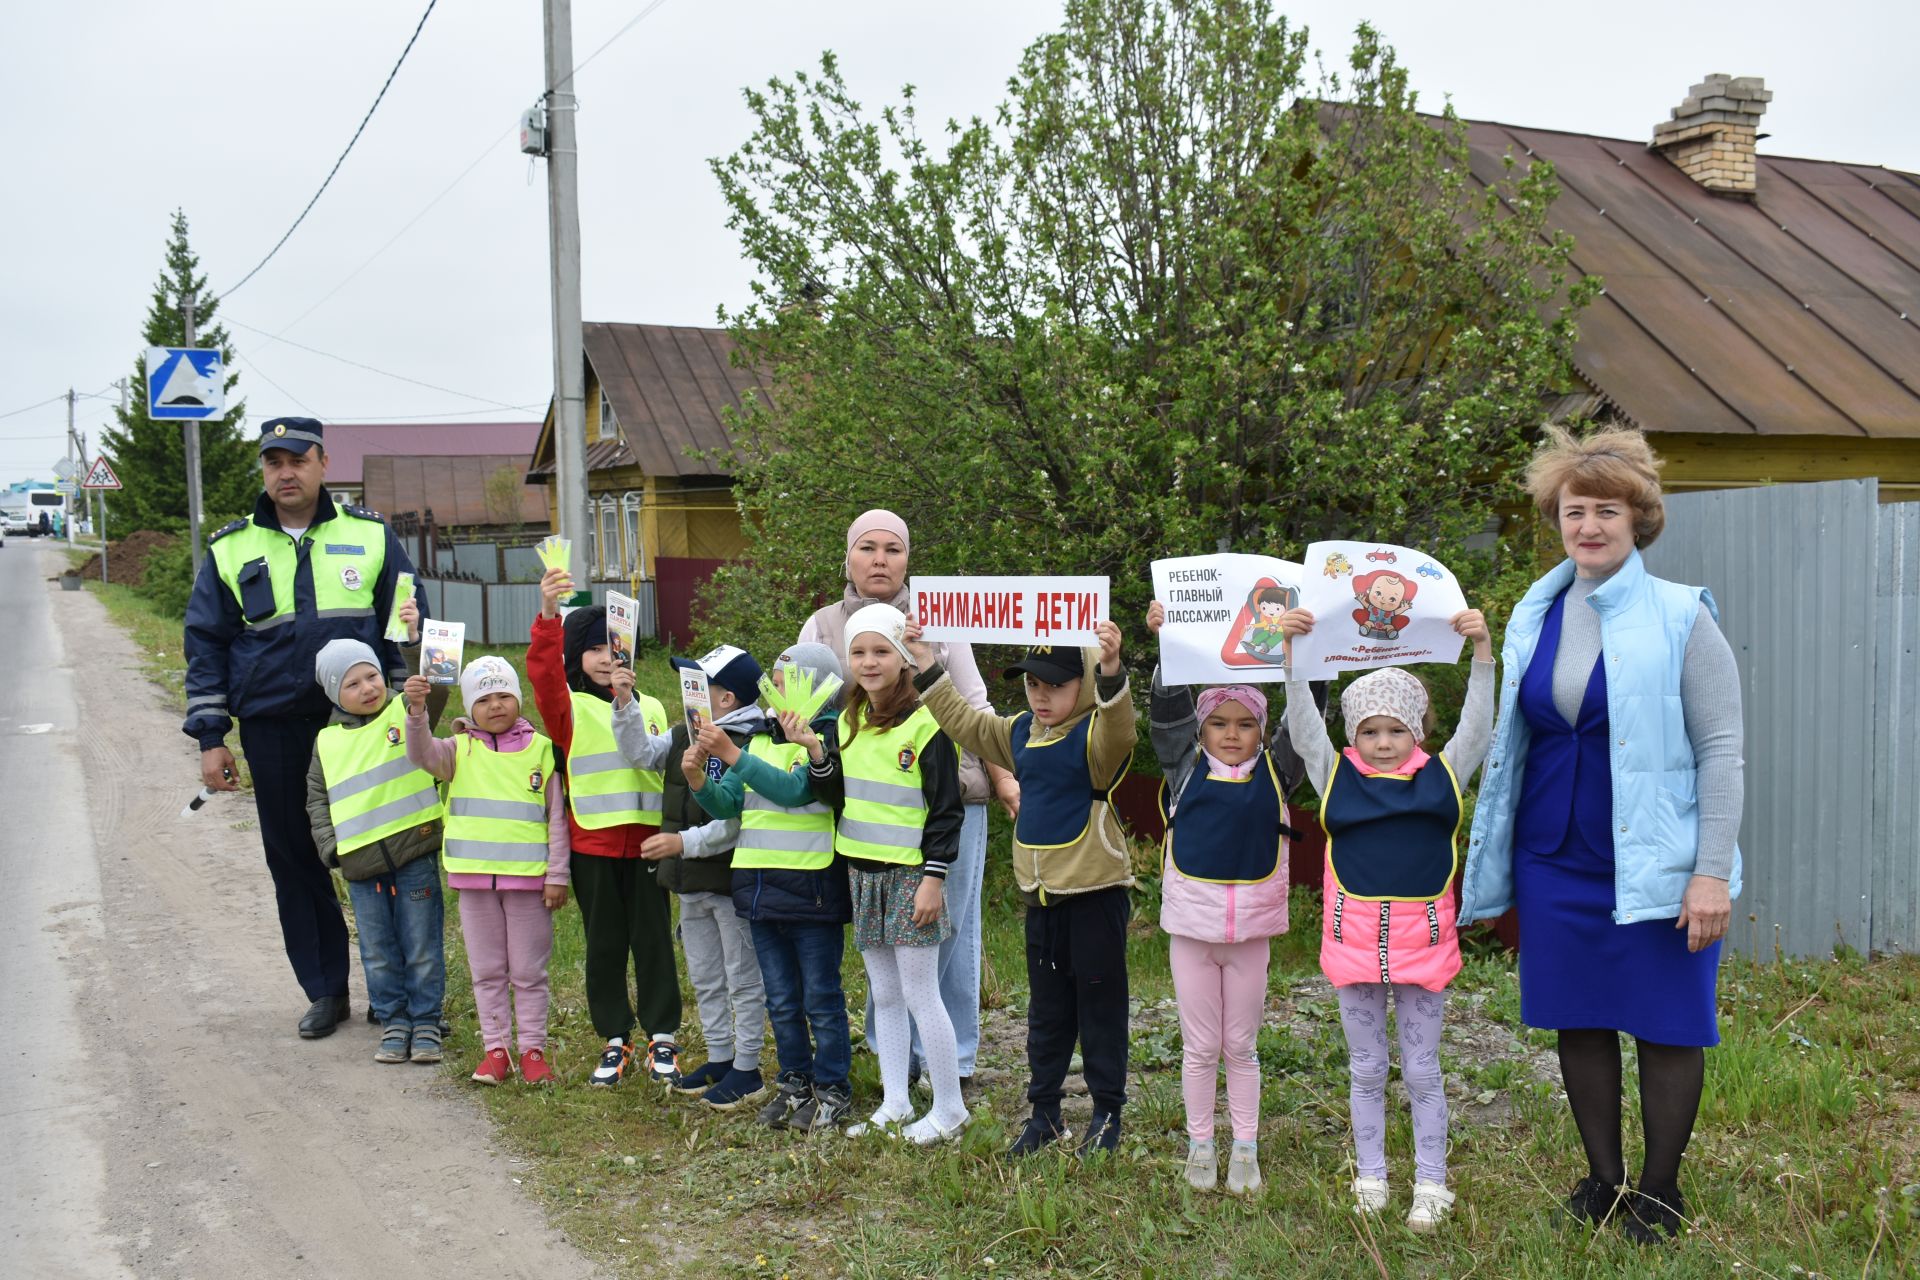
[809,656]
[335,659]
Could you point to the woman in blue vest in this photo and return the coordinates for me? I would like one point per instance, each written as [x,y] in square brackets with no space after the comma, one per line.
[1607,817]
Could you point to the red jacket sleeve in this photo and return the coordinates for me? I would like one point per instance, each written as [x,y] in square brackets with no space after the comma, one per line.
[547,668]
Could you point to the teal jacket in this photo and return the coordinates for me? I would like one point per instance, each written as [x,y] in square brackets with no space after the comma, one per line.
[1644,625]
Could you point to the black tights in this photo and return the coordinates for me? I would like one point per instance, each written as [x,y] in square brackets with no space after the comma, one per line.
[1670,1080]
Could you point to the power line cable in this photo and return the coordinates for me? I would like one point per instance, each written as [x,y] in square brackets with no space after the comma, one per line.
[449,413]
[343,155]
[475,163]
[14,413]
[398,377]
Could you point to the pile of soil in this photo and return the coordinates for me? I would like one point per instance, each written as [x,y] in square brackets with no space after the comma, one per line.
[127,562]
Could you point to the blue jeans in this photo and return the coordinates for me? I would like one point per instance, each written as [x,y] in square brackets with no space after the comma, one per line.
[800,968]
[400,918]
[960,954]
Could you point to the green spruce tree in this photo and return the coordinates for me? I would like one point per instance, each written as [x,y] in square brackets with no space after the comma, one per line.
[150,457]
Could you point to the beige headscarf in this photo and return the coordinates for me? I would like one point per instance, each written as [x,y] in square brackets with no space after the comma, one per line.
[1386,692]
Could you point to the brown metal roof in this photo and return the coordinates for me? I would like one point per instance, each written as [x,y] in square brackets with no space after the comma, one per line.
[668,385]
[1794,312]
[455,489]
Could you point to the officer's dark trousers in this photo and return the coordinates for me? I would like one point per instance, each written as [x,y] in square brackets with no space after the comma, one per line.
[311,922]
[1077,989]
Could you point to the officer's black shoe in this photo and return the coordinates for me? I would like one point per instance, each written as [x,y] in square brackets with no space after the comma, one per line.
[323,1015]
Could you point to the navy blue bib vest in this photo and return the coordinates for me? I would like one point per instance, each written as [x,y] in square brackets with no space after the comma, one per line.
[1390,836]
[1057,787]
[1568,783]
[1227,830]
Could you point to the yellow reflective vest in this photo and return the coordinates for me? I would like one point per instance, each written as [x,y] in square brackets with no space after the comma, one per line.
[497,809]
[373,790]
[773,837]
[885,812]
[603,790]
[259,565]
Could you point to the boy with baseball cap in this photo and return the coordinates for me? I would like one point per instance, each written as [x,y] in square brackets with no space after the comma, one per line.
[1069,750]
[695,855]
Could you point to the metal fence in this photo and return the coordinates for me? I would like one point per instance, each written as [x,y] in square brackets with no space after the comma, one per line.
[503,613]
[1819,593]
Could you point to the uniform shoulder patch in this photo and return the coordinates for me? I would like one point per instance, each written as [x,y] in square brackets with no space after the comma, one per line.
[226,529]
[363,512]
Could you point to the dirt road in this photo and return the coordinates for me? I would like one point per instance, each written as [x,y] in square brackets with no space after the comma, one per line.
[159,1116]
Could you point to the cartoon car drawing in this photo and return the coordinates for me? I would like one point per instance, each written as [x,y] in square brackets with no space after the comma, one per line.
[1338,564]
[1430,571]
[1387,556]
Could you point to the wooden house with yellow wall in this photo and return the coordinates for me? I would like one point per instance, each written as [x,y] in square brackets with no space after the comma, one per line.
[1761,315]
[659,480]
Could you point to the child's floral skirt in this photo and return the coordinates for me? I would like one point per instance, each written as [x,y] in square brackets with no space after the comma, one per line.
[883,910]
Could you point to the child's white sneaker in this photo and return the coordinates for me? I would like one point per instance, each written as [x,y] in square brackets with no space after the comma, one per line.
[1243,1169]
[1369,1195]
[1431,1203]
[1203,1165]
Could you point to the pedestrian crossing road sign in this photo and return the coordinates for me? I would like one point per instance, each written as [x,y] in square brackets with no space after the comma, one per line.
[185,382]
[101,476]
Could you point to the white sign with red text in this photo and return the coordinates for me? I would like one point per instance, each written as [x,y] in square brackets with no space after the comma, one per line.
[1022,611]
[1375,605]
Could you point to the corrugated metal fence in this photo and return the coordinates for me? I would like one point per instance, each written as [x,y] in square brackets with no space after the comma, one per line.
[1819,594]
[503,613]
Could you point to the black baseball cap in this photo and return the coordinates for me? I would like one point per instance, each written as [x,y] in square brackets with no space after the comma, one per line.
[295,435]
[1055,664]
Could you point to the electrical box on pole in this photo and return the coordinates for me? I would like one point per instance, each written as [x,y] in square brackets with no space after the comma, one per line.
[533,131]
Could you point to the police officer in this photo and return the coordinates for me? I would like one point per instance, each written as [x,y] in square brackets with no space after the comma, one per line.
[272,589]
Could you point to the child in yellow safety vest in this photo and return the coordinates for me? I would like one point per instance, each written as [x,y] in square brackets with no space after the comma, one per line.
[378,822]
[506,855]
[613,809]
[790,889]
[896,785]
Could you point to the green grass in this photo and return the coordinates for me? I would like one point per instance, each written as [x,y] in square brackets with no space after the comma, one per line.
[1806,1160]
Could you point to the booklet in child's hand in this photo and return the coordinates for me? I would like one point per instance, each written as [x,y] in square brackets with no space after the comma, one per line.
[440,647]
[402,592]
[693,696]
[623,621]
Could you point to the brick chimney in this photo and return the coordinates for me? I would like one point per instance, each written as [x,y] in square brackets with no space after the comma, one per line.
[1712,132]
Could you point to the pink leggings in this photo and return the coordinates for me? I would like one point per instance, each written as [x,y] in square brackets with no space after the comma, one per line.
[1222,991]
[509,934]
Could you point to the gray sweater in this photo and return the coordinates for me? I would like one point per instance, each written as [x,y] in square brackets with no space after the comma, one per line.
[1709,702]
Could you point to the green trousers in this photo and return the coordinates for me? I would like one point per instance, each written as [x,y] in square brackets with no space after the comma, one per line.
[626,913]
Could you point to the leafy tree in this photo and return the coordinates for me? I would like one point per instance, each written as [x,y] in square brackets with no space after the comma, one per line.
[1175,294]
[150,457]
[504,494]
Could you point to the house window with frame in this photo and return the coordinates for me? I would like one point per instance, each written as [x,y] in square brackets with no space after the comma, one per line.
[630,521]
[609,426]
[609,539]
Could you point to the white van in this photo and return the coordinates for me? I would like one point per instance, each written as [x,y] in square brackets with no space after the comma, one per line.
[41,505]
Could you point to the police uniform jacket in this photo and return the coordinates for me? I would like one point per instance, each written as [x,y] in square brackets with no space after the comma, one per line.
[263,605]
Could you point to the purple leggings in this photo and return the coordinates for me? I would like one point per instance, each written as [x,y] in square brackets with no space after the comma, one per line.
[1420,1013]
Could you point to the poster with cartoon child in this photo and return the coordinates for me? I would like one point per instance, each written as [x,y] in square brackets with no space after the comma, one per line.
[1375,605]
[1223,615]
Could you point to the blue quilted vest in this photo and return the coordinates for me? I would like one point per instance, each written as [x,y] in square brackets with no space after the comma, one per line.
[1644,625]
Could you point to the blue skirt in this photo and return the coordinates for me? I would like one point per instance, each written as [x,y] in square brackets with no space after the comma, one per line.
[1580,969]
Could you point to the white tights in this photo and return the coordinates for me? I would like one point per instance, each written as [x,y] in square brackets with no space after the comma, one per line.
[906,981]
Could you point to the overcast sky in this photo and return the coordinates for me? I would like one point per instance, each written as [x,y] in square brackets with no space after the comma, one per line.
[234,111]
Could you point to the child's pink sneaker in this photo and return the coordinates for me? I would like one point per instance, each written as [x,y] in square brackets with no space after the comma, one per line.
[534,1068]
[495,1068]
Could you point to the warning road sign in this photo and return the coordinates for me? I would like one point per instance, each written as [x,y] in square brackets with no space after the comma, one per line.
[101,476]
[185,382]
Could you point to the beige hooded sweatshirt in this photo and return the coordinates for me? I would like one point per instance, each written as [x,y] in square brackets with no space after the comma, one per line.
[1099,858]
